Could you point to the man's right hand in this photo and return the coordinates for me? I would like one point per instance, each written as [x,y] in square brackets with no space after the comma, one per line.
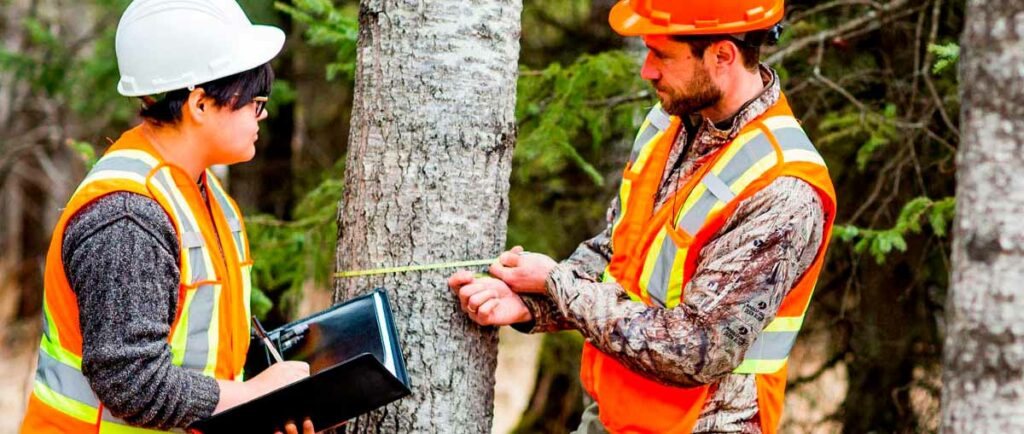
[488,301]
[276,376]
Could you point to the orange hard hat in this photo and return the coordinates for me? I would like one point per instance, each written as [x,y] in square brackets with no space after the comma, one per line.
[694,17]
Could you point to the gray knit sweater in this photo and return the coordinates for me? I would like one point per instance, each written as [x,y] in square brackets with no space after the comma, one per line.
[121,258]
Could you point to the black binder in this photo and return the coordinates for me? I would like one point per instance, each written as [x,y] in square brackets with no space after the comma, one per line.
[356,366]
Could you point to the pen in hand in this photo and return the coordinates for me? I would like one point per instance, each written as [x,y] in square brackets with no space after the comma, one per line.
[266,339]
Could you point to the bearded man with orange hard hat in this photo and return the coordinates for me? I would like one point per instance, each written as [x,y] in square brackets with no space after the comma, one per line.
[691,299]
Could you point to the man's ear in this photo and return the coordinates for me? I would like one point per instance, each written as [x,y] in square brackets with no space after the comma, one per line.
[196,105]
[725,54]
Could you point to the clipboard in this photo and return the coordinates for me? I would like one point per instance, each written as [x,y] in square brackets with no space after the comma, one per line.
[356,366]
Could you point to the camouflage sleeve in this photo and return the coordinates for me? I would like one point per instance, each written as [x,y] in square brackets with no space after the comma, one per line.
[589,260]
[742,276]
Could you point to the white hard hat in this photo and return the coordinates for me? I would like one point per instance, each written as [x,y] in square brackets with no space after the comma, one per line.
[165,45]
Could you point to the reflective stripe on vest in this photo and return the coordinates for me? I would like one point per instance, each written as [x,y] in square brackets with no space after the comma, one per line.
[59,382]
[748,157]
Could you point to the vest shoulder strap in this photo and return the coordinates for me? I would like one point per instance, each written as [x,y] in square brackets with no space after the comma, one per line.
[124,169]
[656,122]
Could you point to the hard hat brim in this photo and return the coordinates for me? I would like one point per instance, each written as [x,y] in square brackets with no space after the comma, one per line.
[626,22]
[259,45]
[262,45]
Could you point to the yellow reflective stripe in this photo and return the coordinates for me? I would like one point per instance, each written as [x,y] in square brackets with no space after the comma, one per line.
[755,171]
[53,349]
[777,122]
[108,427]
[121,427]
[734,148]
[650,260]
[794,155]
[107,175]
[51,327]
[179,336]
[675,280]
[65,405]
[760,366]
[247,292]
[213,333]
[641,160]
[186,263]
[134,154]
[111,174]
[211,273]
[623,202]
[785,324]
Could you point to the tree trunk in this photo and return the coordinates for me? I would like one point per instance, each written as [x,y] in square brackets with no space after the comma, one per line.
[983,382]
[433,129]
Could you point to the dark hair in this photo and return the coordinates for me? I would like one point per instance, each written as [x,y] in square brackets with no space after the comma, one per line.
[238,89]
[698,44]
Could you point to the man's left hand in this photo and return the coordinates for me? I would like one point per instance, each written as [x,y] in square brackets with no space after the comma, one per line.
[523,272]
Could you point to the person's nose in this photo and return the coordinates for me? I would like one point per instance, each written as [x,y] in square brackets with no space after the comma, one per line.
[650,71]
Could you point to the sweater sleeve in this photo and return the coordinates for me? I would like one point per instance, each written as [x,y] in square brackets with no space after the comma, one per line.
[121,258]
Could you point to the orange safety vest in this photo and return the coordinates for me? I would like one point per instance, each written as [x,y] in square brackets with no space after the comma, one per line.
[656,253]
[210,333]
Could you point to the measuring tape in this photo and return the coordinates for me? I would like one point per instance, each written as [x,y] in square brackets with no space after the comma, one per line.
[412,268]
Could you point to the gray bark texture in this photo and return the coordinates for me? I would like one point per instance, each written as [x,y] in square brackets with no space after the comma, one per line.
[426,181]
[983,379]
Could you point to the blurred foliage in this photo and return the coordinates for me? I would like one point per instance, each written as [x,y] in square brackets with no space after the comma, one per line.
[290,253]
[331,26]
[66,65]
[570,120]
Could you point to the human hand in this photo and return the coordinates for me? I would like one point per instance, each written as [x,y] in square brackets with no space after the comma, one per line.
[488,301]
[523,272]
[276,376]
[290,428]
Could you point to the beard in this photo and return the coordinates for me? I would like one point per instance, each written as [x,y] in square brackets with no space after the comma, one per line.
[699,94]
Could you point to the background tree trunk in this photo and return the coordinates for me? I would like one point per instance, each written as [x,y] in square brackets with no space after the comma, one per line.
[433,129]
[983,387]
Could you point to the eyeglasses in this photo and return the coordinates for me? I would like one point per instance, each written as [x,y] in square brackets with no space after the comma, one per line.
[261,104]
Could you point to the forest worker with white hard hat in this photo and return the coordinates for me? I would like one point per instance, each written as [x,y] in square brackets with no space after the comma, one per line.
[147,287]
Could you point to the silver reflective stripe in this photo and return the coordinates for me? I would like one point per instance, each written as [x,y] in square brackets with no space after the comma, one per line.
[197,264]
[123,164]
[793,138]
[234,220]
[108,417]
[200,314]
[659,118]
[771,346]
[659,121]
[718,188]
[170,187]
[65,380]
[692,221]
[200,310]
[752,152]
[642,140]
[657,285]
[191,239]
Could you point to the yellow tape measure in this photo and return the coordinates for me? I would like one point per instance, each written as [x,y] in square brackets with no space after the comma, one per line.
[412,268]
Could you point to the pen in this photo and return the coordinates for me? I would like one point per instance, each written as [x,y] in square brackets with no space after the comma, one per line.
[266,339]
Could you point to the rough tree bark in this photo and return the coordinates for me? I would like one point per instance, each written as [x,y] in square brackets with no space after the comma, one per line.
[983,381]
[433,129]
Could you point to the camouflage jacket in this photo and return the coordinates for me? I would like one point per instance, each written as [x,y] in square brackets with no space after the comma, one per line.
[742,276]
